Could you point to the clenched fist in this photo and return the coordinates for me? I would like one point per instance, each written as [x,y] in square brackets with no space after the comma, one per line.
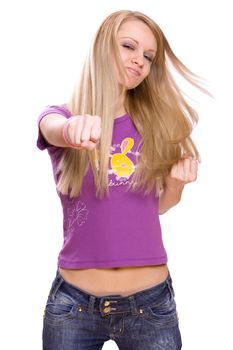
[182,172]
[82,131]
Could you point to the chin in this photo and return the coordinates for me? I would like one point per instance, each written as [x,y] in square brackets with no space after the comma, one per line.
[130,85]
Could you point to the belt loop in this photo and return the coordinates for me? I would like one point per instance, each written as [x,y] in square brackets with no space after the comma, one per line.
[133,305]
[91,303]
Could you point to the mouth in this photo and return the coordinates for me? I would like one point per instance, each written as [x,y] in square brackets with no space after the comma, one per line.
[133,71]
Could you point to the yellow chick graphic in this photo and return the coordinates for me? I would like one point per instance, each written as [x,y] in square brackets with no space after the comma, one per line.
[121,165]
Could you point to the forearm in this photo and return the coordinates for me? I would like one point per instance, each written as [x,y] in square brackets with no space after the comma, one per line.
[51,127]
[169,198]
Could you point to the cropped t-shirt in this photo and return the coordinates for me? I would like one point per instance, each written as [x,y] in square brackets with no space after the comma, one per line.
[122,229]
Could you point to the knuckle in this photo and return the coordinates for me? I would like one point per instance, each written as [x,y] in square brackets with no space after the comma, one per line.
[76,118]
[88,118]
[98,119]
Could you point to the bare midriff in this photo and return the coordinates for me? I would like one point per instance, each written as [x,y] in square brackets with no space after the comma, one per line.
[122,281]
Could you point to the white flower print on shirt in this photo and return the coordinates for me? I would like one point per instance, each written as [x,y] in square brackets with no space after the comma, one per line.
[77,214]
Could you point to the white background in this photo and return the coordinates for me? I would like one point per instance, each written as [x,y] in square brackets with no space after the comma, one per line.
[43,44]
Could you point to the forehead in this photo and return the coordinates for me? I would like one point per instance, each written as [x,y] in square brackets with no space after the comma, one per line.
[138,31]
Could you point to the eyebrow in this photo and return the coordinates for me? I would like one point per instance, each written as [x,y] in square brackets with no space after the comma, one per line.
[128,37]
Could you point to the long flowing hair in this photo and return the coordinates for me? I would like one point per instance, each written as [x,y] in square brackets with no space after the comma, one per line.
[157,107]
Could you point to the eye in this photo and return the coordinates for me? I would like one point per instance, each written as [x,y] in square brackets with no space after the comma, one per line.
[128,46]
[149,58]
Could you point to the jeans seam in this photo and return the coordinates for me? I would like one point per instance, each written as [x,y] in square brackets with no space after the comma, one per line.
[171,291]
[54,292]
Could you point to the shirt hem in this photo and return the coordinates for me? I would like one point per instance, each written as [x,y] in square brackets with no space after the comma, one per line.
[112,263]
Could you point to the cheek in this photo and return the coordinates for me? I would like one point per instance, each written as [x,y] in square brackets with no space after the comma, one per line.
[146,72]
[148,69]
[124,56]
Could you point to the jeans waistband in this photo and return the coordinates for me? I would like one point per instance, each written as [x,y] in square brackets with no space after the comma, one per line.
[113,304]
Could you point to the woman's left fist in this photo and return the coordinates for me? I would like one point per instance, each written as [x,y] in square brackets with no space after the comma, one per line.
[182,172]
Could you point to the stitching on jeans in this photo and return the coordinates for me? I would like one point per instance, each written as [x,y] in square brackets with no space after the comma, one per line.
[57,286]
[171,291]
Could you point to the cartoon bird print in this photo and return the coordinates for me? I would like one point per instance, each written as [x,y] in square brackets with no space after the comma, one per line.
[121,165]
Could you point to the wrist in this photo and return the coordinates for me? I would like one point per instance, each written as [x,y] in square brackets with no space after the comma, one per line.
[65,134]
[174,185]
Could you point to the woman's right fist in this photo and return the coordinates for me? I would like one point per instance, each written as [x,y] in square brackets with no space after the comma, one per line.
[82,131]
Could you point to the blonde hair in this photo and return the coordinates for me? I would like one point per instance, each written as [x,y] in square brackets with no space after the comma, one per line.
[158,109]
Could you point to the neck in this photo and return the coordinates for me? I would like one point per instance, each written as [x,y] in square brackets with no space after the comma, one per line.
[120,112]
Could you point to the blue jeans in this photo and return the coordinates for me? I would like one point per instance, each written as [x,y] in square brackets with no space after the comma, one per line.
[77,320]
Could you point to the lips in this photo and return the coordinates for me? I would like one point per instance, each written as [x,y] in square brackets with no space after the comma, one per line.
[133,71]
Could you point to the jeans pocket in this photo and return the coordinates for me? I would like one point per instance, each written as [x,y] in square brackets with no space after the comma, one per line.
[60,309]
[163,313]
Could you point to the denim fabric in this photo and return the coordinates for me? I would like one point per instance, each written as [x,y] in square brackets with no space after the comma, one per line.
[77,320]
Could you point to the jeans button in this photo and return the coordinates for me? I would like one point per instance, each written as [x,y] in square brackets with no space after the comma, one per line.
[106,310]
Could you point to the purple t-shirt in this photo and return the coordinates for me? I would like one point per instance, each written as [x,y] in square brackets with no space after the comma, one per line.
[120,230]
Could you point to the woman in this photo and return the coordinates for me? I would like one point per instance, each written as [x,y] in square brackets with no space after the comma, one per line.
[122,153]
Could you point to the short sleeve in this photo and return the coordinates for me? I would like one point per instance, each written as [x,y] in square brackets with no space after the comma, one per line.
[63,110]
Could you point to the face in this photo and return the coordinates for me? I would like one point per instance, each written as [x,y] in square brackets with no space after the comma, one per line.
[137,47]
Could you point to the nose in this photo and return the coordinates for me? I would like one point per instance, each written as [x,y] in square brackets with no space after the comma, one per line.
[138,59]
